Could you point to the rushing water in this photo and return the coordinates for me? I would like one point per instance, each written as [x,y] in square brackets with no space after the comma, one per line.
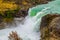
[29,30]
[26,30]
[53,7]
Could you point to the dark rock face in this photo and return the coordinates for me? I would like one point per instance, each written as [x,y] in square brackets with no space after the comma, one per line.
[21,13]
[55,25]
[47,19]
[50,27]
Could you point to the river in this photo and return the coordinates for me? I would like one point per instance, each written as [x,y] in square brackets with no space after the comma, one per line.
[29,30]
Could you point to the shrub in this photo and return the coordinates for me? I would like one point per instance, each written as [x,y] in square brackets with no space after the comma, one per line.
[8,9]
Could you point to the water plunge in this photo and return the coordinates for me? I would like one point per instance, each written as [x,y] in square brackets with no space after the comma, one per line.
[29,30]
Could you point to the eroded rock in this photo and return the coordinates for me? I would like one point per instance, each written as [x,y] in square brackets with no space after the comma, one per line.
[50,27]
[14,36]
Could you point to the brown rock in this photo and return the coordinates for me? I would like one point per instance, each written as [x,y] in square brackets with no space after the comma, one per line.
[50,28]
[14,36]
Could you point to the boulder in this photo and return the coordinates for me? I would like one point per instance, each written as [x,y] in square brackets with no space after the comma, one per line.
[50,27]
[14,36]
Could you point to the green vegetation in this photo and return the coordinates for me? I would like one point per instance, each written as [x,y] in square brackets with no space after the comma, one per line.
[7,10]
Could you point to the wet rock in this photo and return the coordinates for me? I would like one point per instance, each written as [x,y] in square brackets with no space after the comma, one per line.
[47,19]
[14,36]
[2,25]
[1,18]
[50,28]
[55,27]
[20,13]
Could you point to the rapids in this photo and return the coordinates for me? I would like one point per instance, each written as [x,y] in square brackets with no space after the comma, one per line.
[29,30]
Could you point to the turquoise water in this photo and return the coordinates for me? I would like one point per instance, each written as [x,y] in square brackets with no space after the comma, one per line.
[54,7]
[29,30]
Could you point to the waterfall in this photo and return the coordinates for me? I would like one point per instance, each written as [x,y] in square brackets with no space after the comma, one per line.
[29,30]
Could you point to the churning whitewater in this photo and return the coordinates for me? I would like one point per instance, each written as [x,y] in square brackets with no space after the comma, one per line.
[28,29]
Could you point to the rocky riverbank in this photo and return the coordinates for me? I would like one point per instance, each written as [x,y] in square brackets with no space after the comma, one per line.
[16,9]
